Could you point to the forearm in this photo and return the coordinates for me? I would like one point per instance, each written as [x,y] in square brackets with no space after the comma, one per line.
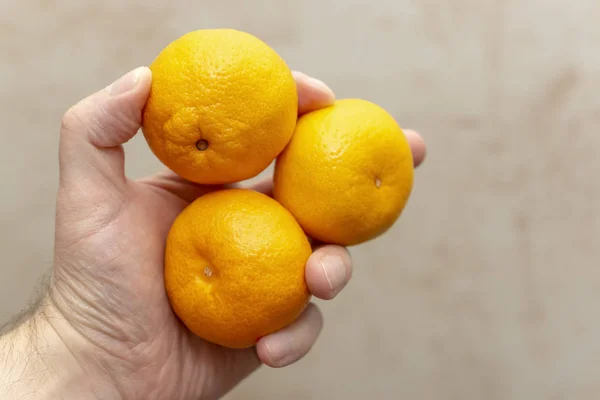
[35,363]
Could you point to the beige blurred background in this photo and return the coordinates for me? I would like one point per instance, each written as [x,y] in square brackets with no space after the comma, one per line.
[488,288]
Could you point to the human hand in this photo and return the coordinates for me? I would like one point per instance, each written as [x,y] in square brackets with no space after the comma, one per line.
[106,308]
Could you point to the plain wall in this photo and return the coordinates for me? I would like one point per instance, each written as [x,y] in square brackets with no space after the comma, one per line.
[488,287]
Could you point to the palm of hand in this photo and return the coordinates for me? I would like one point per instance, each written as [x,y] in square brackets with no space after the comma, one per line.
[128,317]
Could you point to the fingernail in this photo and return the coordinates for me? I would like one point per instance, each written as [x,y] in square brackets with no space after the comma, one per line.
[125,83]
[335,273]
[319,85]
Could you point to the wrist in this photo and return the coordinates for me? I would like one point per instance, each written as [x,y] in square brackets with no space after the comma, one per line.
[37,363]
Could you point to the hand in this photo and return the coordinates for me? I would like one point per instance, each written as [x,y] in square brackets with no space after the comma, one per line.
[106,314]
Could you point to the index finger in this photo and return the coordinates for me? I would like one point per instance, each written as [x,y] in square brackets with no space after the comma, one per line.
[313,94]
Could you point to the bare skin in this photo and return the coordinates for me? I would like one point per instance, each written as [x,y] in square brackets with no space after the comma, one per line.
[104,327]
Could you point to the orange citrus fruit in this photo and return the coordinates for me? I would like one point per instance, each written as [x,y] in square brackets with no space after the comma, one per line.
[347,173]
[222,106]
[234,267]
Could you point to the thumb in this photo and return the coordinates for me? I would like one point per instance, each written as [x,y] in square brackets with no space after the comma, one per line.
[93,130]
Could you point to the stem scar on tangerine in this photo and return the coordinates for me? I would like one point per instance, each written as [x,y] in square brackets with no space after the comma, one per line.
[202,144]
